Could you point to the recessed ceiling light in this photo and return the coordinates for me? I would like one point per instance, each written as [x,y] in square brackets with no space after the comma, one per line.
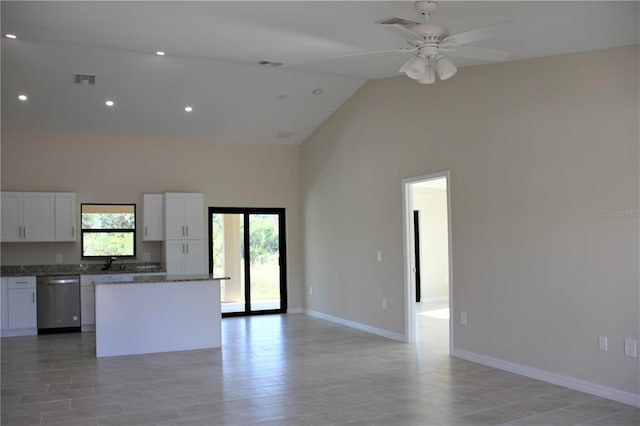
[188,108]
[160,53]
[317,91]
[11,36]
[281,97]
[22,97]
[109,103]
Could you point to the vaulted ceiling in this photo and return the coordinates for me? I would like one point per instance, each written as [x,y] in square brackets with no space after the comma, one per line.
[212,53]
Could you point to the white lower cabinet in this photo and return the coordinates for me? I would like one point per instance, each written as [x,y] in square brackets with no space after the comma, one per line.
[20,313]
[87,303]
[5,304]
[184,257]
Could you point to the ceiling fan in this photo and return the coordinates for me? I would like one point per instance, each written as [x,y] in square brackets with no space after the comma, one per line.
[431,41]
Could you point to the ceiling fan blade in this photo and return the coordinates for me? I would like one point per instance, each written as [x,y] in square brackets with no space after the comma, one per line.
[480,53]
[375,52]
[400,26]
[483,33]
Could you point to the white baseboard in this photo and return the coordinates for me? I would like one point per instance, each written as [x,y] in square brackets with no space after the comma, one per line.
[434,299]
[556,379]
[15,332]
[295,311]
[357,326]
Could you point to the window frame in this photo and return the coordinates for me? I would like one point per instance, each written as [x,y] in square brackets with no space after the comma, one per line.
[108,230]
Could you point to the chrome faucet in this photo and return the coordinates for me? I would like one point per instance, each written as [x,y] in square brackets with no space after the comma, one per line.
[110,260]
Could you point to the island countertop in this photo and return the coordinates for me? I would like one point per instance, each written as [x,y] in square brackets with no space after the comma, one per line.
[154,279]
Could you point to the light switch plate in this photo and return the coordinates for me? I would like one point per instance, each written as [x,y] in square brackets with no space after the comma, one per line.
[463,318]
[603,343]
[631,348]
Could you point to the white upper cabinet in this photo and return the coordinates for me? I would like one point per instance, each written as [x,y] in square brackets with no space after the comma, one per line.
[183,216]
[38,216]
[11,216]
[65,216]
[153,217]
[28,216]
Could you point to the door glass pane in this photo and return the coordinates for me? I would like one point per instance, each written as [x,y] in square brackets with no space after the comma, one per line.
[228,259]
[264,258]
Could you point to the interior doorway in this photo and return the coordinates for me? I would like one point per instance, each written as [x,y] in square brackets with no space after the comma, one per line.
[426,204]
[248,245]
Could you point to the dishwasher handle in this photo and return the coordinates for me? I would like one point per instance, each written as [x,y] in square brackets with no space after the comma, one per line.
[61,281]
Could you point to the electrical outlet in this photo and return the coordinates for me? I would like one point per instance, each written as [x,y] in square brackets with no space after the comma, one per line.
[384,303]
[631,348]
[379,256]
[463,318]
[59,258]
[603,343]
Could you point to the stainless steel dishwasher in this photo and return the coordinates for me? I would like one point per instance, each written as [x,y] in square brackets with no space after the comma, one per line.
[58,304]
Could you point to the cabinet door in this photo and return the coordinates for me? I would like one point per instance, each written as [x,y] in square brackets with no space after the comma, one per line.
[174,216]
[22,308]
[194,257]
[153,217]
[11,215]
[193,216]
[87,305]
[38,216]
[174,256]
[5,304]
[65,216]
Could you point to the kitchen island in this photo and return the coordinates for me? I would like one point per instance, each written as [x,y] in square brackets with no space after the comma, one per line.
[163,313]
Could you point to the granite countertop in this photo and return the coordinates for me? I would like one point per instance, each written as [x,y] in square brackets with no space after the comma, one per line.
[81,269]
[155,279]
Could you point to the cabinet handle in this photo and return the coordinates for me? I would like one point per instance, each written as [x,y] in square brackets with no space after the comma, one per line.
[187,230]
[22,282]
[33,298]
[183,249]
[73,231]
[187,248]
[145,231]
[25,231]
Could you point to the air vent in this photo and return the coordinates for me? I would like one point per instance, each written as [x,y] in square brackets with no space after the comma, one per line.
[284,135]
[270,64]
[84,79]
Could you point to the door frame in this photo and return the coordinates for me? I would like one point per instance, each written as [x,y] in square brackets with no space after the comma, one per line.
[282,243]
[409,255]
[416,257]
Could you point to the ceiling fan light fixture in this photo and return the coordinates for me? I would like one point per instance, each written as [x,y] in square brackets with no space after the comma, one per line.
[415,67]
[429,76]
[445,68]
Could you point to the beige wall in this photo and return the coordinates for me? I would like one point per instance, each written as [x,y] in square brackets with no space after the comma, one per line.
[108,169]
[434,242]
[540,153]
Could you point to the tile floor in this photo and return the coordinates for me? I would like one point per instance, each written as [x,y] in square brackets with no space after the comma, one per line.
[279,370]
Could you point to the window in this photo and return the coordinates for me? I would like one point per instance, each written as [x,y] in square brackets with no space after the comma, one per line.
[108,230]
